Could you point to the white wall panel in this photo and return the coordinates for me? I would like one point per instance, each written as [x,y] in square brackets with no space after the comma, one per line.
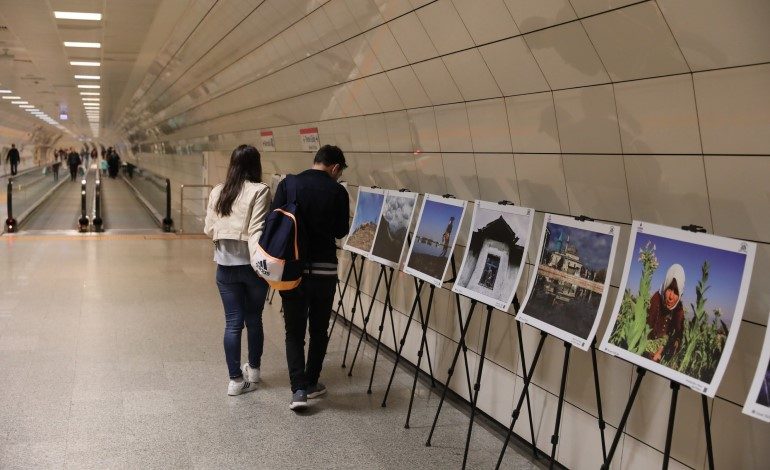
[566,56]
[471,75]
[513,67]
[658,115]
[530,15]
[444,26]
[532,122]
[437,82]
[734,110]
[454,132]
[541,182]
[719,33]
[422,127]
[486,20]
[488,122]
[668,190]
[408,87]
[635,42]
[587,120]
[412,38]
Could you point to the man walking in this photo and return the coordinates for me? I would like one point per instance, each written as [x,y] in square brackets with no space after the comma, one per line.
[73,162]
[323,210]
[14,158]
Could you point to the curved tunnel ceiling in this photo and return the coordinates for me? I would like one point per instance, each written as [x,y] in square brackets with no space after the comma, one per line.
[236,66]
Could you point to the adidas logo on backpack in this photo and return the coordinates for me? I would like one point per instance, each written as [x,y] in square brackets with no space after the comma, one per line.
[278,259]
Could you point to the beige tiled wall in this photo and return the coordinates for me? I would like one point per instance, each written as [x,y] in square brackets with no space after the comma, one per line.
[616,109]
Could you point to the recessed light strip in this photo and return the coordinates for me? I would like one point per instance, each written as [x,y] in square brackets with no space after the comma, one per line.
[75,15]
[85,63]
[88,45]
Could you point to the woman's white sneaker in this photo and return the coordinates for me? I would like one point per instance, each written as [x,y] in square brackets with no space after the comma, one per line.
[251,374]
[237,387]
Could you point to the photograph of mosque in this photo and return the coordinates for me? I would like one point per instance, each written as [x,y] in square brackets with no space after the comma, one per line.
[573,267]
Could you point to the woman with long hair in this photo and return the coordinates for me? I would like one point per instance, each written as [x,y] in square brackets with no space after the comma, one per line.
[235,218]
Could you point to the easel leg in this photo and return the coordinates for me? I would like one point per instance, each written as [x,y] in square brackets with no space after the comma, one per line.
[477,386]
[707,425]
[366,318]
[340,304]
[450,372]
[423,343]
[624,419]
[670,429]
[357,298]
[598,399]
[465,346]
[341,293]
[524,393]
[560,406]
[403,341]
[386,307]
[535,452]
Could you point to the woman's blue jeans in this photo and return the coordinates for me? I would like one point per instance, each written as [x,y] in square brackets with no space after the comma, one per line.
[243,297]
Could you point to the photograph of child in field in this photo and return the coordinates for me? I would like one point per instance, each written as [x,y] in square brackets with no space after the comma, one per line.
[573,267]
[681,302]
[364,224]
[434,238]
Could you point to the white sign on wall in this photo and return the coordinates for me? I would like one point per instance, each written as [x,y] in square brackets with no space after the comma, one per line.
[268,141]
[309,139]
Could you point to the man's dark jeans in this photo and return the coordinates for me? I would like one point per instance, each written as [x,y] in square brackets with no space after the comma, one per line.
[243,296]
[309,304]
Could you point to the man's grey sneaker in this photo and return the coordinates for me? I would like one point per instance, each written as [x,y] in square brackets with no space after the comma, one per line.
[236,387]
[298,400]
[251,374]
[315,391]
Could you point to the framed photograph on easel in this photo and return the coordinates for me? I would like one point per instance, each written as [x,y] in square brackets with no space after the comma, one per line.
[568,290]
[681,304]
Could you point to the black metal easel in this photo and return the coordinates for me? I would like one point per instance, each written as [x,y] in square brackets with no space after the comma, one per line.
[423,342]
[562,390]
[340,303]
[472,391]
[357,275]
[383,274]
[387,307]
[640,372]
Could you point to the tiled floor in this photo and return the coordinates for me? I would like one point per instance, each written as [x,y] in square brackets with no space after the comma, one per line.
[111,357]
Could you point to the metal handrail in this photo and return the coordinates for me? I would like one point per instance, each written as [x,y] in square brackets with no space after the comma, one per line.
[181,201]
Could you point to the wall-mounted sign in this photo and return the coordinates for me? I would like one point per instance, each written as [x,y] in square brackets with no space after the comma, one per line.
[268,141]
[309,138]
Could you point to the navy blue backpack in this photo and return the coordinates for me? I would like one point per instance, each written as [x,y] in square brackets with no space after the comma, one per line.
[279,259]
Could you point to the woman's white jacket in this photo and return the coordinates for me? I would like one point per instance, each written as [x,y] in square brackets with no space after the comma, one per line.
[247,217]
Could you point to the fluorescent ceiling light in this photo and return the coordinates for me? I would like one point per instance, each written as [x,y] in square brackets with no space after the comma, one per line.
[76,15]
[90,93]
[89,45]
[4,92]
[89,86]
[11,97]
[26,106]
[85,63]
[19,102]
[90,99]
[87,77]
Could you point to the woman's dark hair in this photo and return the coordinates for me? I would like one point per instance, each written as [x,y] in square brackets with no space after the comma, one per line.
[245,165]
